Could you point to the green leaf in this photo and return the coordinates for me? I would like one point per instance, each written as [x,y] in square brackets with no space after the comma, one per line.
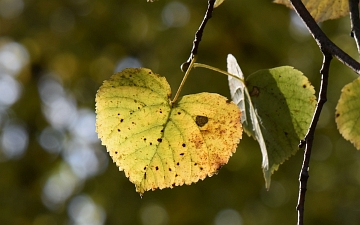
[347,114]
[280,103]
[285,102]
[159,144]
[322,10]
[249,117]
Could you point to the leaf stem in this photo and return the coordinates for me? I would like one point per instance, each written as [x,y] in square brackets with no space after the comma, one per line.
[355,21]
[218,70]
[198,35]
[324,43]
[184,79]
[308,141]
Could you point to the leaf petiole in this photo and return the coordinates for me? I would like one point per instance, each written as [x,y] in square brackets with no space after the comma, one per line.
[184,79]
[218,70]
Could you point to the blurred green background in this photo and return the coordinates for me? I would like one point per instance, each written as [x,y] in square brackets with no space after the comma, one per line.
[55,54]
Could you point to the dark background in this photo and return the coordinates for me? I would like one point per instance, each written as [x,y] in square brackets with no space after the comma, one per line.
[55,54]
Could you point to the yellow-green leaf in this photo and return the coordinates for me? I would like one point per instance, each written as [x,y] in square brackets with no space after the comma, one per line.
[348,113]
[159,144]
[323,10]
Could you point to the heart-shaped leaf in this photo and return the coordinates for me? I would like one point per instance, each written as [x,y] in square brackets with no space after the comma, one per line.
[160,144]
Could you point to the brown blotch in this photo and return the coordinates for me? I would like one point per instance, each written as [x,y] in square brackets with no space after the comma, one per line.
[255,91]
[181,153]
[337,114]
[184,145]
[159,140]
[121,120]
[201,120]
[157,168]
[201,168]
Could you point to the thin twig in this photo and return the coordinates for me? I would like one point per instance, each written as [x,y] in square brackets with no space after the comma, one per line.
[325,44]
[355,21]
[304,174]
[198,35]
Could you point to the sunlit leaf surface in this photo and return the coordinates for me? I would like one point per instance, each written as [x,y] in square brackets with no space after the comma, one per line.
[323,10]
[159,144]
[348,113]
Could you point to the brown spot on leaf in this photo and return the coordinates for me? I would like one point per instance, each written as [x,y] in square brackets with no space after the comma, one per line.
[157,168]
[159,140]
[255,91]
[181,153]
[337,115]
[201,120]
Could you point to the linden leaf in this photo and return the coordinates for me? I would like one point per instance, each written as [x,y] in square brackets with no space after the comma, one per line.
[249,117]
[322,10]
[347,115]
[285,102]
[159,144]
[278,104]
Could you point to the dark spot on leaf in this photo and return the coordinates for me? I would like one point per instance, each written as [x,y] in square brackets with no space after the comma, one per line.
[176,175]
[157,168]
[181,153]
[132,122]
[179,113]
[118,130]
[116,152]
[144,175]
[184,145]
[162,131]
[145,168]
[150,143]
[304,86]
[149,72]
[144,139]
[159,140]
[138,107]
[228,101]
[173,184]
[135,101]
[201,120]
[201,168]
[169,169]
[195,164]
[118,114]
[337,115]
[121,120]
[178,163]
[255,91]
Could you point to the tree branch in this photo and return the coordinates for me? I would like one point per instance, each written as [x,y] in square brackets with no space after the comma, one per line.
[325,44]
[198,35]
[355,21]
[304,174]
